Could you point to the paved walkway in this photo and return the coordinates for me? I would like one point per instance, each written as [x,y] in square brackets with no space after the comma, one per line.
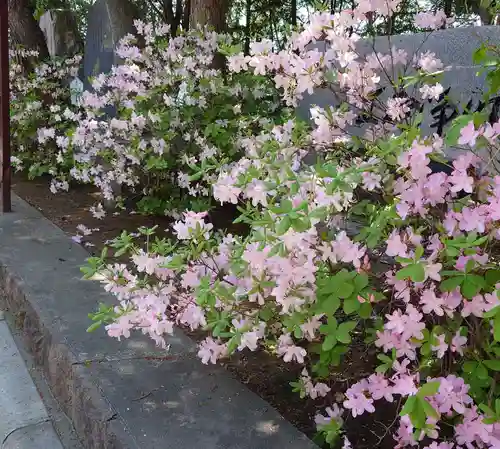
[24,421]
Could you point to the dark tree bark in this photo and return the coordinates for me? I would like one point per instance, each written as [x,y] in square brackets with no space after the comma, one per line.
[173,17]
[24,29]
[209,12]
[185,15]
[248,15]
[293,12]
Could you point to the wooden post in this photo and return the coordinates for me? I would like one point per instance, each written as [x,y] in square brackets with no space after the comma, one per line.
[4,107]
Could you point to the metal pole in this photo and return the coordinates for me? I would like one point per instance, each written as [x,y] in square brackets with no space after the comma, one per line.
[4,106]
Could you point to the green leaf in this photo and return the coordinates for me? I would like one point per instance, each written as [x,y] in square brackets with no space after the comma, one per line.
[481,372]
[492,276]
[345,290]
[496,328]
[491,313]
[384,358]
[417,415]
[428,389]
[351,305]
[429,410]
[415,272]
[486,410]
[301,225]
[343,331]
[469,366]
[329,343]
[469,288]
[283,225]
[409,406]
[365,310]
[451,284]
[94,326]
[361,281]
[330,305]
[493,365]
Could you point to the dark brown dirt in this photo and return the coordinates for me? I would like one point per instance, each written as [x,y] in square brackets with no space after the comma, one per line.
[263,373]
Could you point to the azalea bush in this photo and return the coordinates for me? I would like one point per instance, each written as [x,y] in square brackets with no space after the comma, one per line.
[41,116]
[366,247]
[163,122]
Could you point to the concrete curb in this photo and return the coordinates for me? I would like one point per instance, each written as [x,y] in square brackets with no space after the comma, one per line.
[126,394]
[24,421]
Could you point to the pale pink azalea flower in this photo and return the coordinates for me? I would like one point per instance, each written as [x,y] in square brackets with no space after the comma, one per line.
[379,387]
[442,445]
[441,347]
[332,413]
[429,63]
[371,181]
[211,351]
[397,108]
[257,192]
[452,394]
[431,302]
[192,316]
[145,263]
[468,135]
[225,191]
[404,385]
[404,434]
[291,353]
[98,211]
[431,92]
[457,343]
[429,20]
[460,180]
[395,245]
[491,301]
[476,306]
[432,271]
[120,328]
[310,327]
[357,400]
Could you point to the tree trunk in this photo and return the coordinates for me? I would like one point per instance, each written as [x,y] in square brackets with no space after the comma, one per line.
[185,15]
[248,14]
[24,29]
[293,18]
[209,12]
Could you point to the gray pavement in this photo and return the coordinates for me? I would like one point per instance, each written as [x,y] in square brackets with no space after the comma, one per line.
[24,421]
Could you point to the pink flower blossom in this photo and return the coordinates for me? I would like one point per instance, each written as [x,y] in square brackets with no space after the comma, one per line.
[441,347]
[431,302]
[395,246]
[457,343]
[431,21]
[357,400]
[468,135]
[211,351]
[397,108]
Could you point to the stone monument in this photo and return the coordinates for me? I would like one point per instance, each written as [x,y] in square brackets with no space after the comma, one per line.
[61,33]
[108,22]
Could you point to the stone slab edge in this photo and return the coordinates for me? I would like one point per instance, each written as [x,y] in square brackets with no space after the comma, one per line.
[91,413]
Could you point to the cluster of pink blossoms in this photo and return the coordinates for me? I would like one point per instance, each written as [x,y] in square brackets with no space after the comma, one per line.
[263,289]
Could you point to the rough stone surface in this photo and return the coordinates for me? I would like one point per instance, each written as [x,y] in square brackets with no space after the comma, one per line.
[125,394]
[34,436]
[20,404]
[454,47]
[108,22]
[24,422]
[61,32]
